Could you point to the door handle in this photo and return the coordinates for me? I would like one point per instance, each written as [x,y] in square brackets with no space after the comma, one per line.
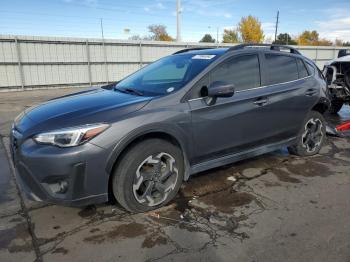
[261,101]
[311,92]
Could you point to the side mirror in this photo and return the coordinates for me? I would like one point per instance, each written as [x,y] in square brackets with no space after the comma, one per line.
[221,89]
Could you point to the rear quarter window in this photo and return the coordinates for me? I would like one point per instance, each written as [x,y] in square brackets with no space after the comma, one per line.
[310,68]
[281,68]
[302,69]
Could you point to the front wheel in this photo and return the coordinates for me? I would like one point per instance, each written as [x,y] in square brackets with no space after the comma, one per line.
[311,137]
[148,176]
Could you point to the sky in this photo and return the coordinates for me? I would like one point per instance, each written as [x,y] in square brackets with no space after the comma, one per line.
[82,18]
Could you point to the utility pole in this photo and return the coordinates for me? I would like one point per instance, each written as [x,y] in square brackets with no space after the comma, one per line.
[101,23]
[277,21]
[217,36]
[178,20]
[104,51]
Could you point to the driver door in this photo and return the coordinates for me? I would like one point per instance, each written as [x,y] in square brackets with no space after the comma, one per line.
[231,124]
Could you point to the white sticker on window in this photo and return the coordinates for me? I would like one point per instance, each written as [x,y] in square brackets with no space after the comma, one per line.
[206,57]
[170,89]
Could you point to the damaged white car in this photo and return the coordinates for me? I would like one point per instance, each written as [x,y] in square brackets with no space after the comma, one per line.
[337,74]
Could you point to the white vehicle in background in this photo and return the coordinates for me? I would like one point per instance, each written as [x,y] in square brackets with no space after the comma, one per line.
[337,74]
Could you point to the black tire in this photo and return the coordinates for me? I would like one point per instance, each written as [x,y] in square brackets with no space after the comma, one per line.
[336,105]
[347,78]
[304,144]
[135,162]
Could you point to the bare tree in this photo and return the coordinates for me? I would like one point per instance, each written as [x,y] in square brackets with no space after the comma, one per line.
[159,33]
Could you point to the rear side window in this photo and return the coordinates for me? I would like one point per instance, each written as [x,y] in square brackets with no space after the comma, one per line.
[242,71]
[302,69]
[281,68]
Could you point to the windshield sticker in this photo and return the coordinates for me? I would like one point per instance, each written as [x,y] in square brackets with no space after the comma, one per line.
[206,57]
[170,89]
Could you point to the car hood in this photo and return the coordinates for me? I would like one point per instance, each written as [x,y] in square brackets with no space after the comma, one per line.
[87,107]
[337,60]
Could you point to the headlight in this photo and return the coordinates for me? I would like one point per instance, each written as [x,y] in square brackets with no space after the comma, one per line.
[69,137]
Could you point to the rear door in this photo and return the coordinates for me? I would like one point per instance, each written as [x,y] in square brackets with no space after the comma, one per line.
[292,91]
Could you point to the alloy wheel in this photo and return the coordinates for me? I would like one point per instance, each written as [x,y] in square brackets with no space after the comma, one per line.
[155,179]
[313,135]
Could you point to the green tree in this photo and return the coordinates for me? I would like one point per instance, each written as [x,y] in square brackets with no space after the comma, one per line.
[230,36]
[250,30]
[285,39]
[207,38]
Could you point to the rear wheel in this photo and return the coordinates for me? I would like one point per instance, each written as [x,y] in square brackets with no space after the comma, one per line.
[311,137]
[336,105]
[148,176]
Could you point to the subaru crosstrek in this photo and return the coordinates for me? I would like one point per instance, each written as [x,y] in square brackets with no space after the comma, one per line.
[140,138]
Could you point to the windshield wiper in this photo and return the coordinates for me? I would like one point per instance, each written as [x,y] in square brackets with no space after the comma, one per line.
[130,91]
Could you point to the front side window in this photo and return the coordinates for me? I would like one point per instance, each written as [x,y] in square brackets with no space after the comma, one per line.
[166,75]
[281,68]
[242,71]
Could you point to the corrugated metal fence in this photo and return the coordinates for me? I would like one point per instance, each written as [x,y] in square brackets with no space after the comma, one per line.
[30,62]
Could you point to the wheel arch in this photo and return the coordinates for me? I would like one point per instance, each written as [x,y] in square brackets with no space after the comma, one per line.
[165,133]
[321,106]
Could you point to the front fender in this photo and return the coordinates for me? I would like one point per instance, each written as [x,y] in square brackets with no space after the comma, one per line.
[167,129]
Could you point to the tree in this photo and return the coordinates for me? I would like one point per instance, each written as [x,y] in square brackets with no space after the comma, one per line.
[324,42]
[346,43]
[308,38]
[312,38]
[250,29]
[135,37]
[230,36]
[284,39]
[159,33]
[338,42]
[207,38]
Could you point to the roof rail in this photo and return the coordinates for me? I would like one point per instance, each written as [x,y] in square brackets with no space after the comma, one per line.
[272,47]
[192,49]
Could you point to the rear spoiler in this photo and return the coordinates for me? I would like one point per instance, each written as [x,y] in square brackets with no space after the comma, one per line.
[343,52]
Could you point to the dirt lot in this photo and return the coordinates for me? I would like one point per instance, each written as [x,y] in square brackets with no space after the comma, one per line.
[276,207]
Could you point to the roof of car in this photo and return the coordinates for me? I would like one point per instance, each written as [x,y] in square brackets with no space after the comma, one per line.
[221,51]
[206,51]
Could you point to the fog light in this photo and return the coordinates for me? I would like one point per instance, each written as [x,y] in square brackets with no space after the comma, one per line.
[60,187]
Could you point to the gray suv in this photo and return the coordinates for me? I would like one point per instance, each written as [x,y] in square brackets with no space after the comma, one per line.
[137,140]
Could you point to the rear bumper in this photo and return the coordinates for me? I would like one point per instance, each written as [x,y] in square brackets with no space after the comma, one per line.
[66,176]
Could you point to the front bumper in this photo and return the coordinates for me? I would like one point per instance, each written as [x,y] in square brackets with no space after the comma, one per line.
[73,176]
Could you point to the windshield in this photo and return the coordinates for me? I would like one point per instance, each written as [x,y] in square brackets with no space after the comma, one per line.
[166,75]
